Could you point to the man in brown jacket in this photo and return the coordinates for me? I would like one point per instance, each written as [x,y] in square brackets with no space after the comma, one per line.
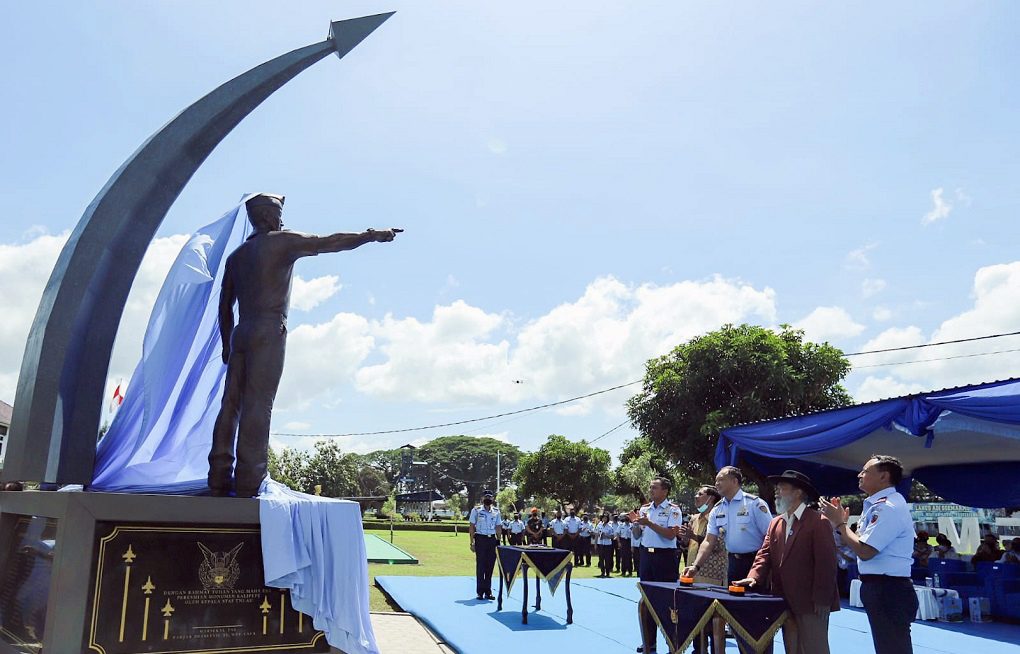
[797,562]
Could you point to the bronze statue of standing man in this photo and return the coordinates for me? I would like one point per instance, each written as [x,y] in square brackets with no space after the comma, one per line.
[258,277]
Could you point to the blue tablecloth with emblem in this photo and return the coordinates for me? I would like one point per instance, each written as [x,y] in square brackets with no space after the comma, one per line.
[683,611]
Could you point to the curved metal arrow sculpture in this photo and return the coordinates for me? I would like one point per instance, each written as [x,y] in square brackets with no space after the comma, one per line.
[63,374]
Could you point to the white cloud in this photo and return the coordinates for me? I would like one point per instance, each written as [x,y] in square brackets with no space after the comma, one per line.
[881,388]
[872,287]
[322,359]
[308,294]
[859,259]
[297,426]
[881,314]
[996,309]
[451,358]
[826,324]
[31,263]
[940,210]
[464,354]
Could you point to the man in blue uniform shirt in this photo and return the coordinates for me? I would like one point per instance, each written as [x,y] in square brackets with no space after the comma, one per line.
[484,528]
[582,555]
[660,521]
[740,519]
[884,543]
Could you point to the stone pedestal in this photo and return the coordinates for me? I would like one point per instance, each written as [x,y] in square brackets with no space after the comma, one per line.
[127,574]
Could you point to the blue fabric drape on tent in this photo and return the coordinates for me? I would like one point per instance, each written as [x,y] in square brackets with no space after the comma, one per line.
[776,445]
[160,438]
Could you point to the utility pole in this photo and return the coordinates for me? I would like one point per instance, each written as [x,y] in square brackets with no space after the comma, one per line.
[497,472]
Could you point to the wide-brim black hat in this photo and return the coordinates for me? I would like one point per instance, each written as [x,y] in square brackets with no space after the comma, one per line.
[798,479]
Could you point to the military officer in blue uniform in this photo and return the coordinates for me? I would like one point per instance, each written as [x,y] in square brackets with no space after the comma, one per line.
[884,543]
[484,529]
[573,524]
[740,519]
[582,556]
[625,551]
[517,530]
[660,521]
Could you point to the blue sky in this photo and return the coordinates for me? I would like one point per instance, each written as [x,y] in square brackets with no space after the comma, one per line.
[583,186]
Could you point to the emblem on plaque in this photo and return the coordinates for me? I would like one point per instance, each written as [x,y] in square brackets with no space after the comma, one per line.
[219,570]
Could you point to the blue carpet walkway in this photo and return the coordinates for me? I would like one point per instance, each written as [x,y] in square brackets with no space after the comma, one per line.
[605,621]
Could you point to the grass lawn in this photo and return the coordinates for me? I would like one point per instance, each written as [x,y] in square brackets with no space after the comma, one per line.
[439,555]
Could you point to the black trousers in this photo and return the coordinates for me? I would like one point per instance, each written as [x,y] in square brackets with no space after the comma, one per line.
[605,559]
[254,368]
[636,552]
[657,564]
[739,565]
[891,605]
[626,558]
[485,561]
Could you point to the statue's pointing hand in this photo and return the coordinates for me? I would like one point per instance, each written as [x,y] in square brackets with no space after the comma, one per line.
[384,235]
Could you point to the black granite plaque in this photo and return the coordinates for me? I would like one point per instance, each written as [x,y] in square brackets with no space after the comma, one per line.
[27,566]
[183,589]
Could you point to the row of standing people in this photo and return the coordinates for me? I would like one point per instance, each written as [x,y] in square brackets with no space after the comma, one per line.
[791,555]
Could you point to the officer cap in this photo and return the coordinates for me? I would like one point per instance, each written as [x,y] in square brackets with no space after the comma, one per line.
[265,200]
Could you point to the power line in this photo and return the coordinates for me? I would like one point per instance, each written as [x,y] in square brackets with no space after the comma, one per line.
[464,422]
[915,347]
[958,356]
[597,438]
[607,390]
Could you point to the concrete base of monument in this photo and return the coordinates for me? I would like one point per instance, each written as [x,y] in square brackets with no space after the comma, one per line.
[125,574]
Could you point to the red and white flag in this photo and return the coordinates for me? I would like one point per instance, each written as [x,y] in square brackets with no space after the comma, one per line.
[118,397]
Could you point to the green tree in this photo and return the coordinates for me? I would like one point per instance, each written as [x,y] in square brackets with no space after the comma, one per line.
[468,463]
[641,461]
[288,467]
[567,471]
[506,499]
[456,504]
[731,376]
[335,471]
[372,481]
[385,461]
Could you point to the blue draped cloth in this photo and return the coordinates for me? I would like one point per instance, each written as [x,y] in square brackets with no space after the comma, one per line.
[160,438]
[315,548]
[989,409]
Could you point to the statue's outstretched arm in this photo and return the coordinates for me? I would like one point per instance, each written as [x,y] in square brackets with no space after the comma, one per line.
[305,245]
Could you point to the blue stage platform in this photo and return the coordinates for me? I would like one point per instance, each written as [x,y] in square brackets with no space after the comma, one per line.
[605,621]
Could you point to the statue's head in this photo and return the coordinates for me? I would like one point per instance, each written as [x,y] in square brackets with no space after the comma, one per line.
[265,212]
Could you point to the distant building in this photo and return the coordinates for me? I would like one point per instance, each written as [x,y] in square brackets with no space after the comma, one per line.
[6,411]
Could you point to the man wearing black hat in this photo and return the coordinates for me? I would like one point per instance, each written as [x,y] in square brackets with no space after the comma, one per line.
[484,530]
[258,277]
[797,561]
